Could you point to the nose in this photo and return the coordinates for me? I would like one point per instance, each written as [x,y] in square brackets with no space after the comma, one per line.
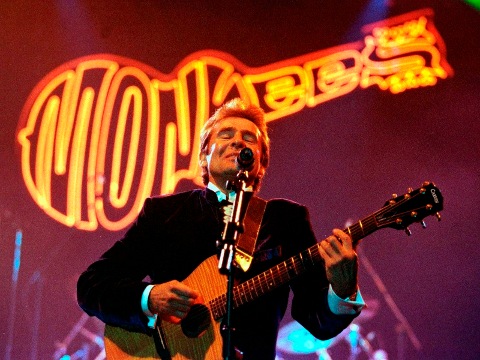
[238,142]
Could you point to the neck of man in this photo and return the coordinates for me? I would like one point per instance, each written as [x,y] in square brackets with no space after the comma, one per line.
[221,184]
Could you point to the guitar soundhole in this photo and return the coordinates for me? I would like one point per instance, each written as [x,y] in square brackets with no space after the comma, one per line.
[197,321]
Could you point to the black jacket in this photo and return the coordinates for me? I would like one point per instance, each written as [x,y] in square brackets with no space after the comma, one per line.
[174,234]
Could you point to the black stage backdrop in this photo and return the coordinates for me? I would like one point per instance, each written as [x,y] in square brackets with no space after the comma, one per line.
[342,156]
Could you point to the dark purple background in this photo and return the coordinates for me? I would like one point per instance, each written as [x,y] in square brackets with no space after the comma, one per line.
[343,158]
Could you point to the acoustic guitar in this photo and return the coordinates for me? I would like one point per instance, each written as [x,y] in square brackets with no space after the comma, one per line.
[198,335]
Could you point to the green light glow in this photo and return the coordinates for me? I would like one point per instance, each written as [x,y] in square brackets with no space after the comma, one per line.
[474,3]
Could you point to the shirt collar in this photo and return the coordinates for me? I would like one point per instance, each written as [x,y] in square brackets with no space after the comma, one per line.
[221,196]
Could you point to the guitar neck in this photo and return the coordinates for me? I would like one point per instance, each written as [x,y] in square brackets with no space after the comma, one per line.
[286,271]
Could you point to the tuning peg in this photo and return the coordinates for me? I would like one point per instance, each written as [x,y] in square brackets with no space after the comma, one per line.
[408,231]
[409,190]
[438,216]
[426,183]
[424,225]
[394,196]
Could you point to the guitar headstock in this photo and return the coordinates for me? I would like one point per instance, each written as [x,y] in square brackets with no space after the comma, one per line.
[401,211]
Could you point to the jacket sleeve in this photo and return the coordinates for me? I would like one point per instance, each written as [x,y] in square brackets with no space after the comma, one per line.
[310,301]
[111,287]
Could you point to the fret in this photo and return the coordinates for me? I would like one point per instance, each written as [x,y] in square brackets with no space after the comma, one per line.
[276,275]
[310,254]
[248,290]
[272,282]
[244,292]
[218,310]
[265,280]
[315,254]
[370,225]
[236,301]
[241,294]
[295,265]
[362,228]
[263,283]
[213,307]
[255,287]
[238,295]
[251,288]
[354,231]
[222,309]
[235,298]
[292,269]
[299,264]
[283,272]
[302,261]
[307,260]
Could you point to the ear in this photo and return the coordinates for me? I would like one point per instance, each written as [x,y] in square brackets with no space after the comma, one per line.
[261,172]
[203,160]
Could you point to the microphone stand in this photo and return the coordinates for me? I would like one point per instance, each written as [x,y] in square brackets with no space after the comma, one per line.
[403,326]
[229,238]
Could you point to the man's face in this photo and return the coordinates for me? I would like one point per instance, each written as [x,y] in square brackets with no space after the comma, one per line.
[229,136]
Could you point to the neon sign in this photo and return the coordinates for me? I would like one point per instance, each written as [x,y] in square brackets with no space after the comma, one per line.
[105,131]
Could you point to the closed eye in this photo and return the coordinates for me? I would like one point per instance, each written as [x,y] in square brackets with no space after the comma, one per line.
[250,138]
[225,134]
[229,133]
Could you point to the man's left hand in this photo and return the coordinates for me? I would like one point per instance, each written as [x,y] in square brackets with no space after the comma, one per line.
[341,263]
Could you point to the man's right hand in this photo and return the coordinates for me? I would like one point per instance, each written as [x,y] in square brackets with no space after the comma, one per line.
[172,300]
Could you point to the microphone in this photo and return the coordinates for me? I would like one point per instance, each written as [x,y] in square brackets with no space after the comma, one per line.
[245,159]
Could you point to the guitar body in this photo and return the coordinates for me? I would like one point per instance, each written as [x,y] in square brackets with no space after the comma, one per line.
[124,344]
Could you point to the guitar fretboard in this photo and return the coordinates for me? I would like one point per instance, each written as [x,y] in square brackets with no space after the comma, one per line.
[286,271]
